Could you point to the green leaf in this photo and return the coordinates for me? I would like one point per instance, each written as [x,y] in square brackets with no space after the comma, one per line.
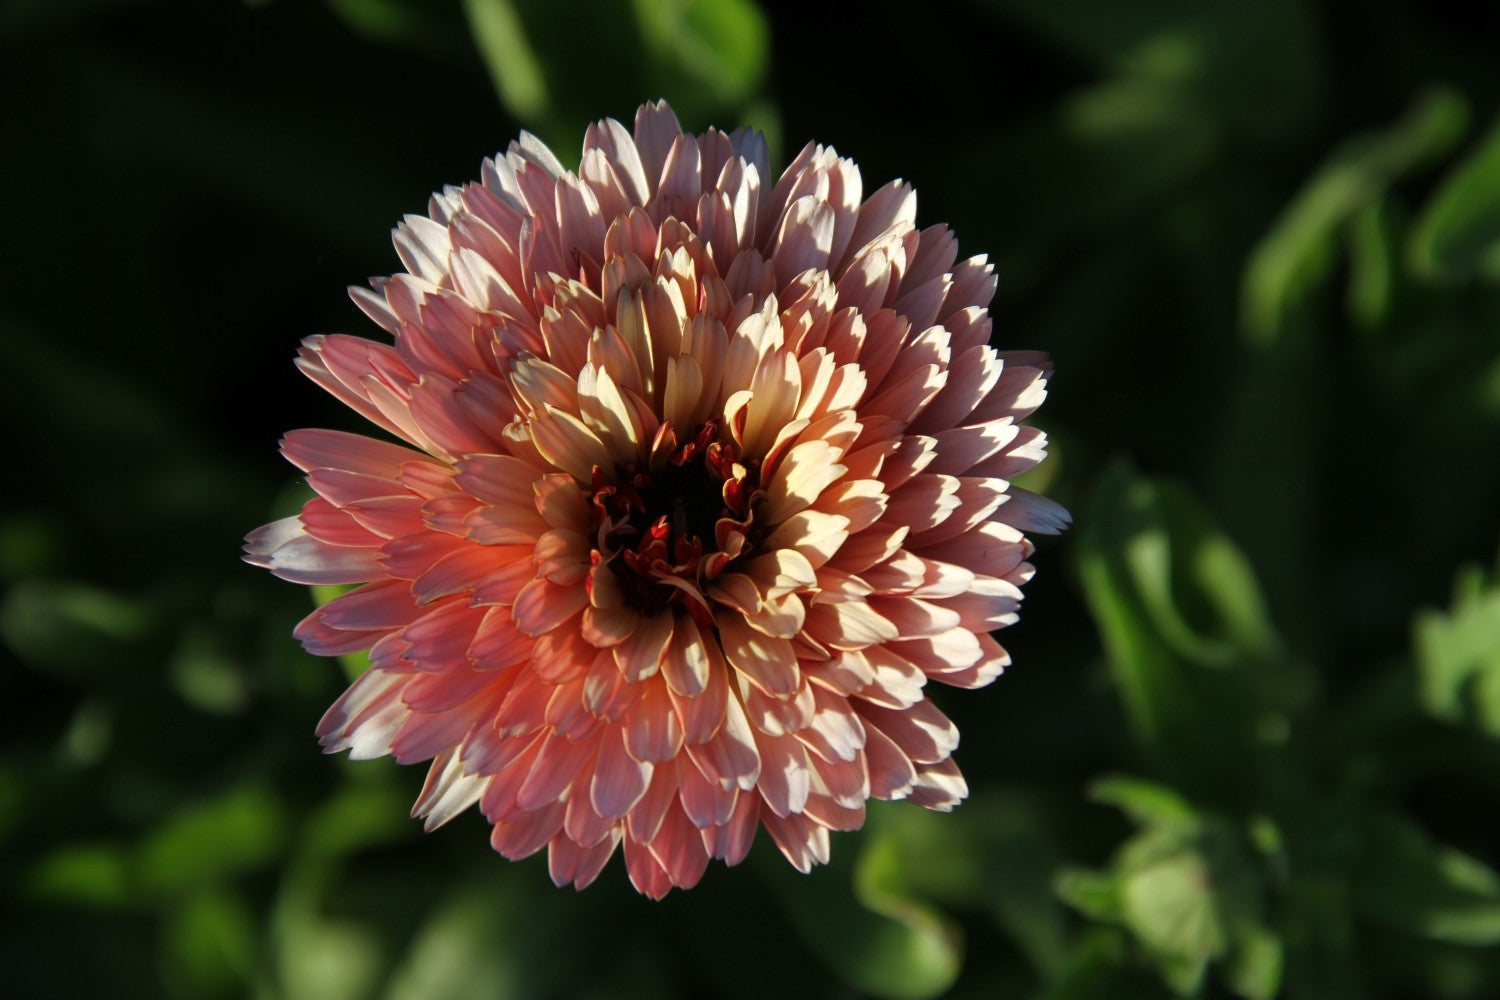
[509,56]
[920,953]
[1256,969]
[93,875]
[209,944]
[1167,901]
[1372,264]
[1171,596]
[393,22]
[357,816]
[1458,233]
[996,853]
[206,676]
[1096,894]
[321,959]
[205,843]
[1213,53]
[1458,655]
[460,951]
[1294,257]
[867,927]
[1147,803]
[1408,880]
[720,46]
[75,629]
[1187,890]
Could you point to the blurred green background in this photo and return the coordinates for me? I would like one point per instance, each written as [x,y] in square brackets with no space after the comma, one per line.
[1250,745]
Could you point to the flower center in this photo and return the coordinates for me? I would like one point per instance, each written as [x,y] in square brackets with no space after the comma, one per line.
[689,498]
[668,529]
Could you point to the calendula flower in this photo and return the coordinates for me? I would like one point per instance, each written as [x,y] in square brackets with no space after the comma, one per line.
[704,478]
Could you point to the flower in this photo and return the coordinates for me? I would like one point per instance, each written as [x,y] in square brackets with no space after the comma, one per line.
[703,479]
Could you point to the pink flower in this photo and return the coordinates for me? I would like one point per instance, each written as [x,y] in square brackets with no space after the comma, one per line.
[704,479]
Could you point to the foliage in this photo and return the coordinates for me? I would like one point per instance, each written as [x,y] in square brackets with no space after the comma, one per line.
[1250,745]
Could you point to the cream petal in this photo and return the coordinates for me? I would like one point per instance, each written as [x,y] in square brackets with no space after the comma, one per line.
[1028,511]
[730,756]
[528,832]
[497,643]
[447,792]
[784,774]
[813,534]
[679,849]
[558,762]
[922,732]
[543,605]
[652,730]
[640,655]
[960,449]
[620,152]
[314,448]
[686,663]
[807,470]
[366,717]
[619,779]
[939,786]
[766,661]
[646,873]
[568,862]
[805,238]
[706,803]
[301,558]
[731,840]
[802,842]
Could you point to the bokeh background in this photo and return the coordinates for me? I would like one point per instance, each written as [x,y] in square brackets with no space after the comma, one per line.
[1250,745]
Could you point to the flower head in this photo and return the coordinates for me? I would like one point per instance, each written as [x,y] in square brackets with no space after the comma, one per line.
[704,478]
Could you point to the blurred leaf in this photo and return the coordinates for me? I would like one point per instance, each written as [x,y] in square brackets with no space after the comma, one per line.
[918,954]
[1146,803]
[1372,264]
[72,628]
[1411,882]
[1458,654]
[717,45]
[867,928]
[1185,888]
[460,951]
[1096,894]
[89,875]
[1107,155]
[395,22]
[1172,595]
[30,545]
[210,841]
[1256,969]
[1295,255]
[708,57]
[357,816]
[1212,50]
[1458,234]
[320,959]
[1097,969]
[210,945]
[205,675]
[88,736]
[509,57]
[995,854]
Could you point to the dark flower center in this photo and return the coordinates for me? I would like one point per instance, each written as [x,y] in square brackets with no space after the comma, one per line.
[689,498]
[667,529]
